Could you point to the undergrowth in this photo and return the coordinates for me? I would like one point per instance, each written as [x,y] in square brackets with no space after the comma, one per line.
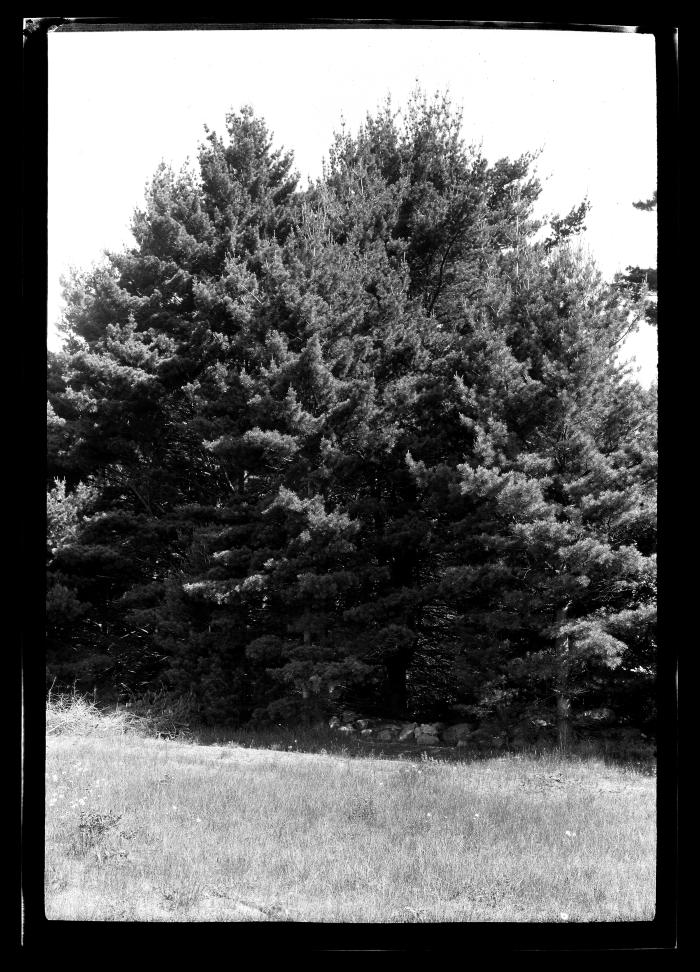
[156,715]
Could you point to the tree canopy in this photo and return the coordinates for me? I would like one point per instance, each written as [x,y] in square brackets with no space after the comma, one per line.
[365,443]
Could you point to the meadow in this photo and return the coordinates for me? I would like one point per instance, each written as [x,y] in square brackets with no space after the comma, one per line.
[142,828]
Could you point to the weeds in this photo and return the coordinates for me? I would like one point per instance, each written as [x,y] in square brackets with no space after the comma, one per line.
[143,828]
[92,828]
[156,715]
[77,715]
[151,715]
[363,809]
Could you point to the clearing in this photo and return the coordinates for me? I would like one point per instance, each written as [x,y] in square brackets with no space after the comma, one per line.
[148,829]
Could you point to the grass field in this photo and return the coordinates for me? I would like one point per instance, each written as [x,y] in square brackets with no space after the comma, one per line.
[148,829]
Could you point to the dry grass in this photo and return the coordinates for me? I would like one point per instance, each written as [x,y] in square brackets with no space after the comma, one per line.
[149,829]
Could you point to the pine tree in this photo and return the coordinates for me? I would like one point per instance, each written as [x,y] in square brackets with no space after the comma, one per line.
[429,211]
[642,282]
[143,331]
[556,539]
[365,444]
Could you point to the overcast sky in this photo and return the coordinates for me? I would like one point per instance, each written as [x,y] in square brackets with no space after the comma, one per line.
[122,101]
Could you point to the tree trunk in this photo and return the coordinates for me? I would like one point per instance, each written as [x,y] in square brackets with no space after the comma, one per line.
[403,571]
[563,721]
[396,687]
[561,683]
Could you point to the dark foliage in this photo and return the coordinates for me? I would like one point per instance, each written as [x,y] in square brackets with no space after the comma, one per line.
[363,444]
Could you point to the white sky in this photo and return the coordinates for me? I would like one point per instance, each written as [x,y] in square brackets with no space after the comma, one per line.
[120,102]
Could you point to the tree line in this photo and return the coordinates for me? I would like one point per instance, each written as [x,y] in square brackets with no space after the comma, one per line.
[365,443]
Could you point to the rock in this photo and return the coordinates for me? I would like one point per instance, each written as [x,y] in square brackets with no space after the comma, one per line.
[519,738]
[427,739]
[628,734]
[387,735]
[346,729]
[599,715]
[334,723]
[427,729]
[366,732]
[457,733]
[362,724]
[408,731]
